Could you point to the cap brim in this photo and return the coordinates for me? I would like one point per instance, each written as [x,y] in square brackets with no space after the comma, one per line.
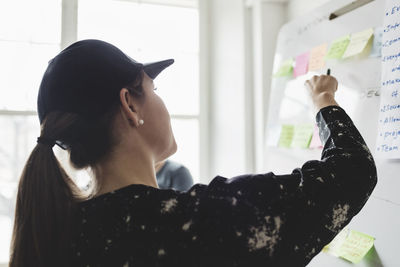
[152,69]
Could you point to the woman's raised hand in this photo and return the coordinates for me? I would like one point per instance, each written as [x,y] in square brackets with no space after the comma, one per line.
[322,90]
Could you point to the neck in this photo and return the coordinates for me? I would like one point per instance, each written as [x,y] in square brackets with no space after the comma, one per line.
[159,165]
[123,169]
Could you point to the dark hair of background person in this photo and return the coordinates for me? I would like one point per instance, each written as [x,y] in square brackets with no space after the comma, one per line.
[47,196]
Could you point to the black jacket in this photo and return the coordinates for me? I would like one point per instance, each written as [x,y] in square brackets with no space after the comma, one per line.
[249,220]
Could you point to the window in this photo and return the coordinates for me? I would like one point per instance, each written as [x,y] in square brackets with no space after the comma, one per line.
[150,32]
[27,42]
[146,32]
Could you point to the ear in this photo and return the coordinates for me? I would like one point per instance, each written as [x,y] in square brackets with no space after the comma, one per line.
[128,107]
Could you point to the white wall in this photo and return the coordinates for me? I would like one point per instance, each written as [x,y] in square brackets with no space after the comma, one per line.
[268,18]
[298,8]
[227,81]
[238,39]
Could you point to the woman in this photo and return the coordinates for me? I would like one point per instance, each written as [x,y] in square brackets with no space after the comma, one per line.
[100,105]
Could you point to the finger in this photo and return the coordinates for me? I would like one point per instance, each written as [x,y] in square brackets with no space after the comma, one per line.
[308,84]
[314,79]
[335,82]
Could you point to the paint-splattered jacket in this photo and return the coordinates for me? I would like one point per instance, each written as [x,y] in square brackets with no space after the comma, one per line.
[249,220]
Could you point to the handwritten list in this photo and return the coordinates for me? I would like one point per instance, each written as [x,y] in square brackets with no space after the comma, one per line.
[388,140]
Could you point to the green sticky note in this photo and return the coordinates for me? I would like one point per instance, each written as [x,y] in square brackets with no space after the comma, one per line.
[302,135]
[358,42]
[286,135]
[333,247]
[338,47]
[286,68]
[355,246]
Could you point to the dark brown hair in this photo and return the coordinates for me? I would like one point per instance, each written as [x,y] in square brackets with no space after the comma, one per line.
[47,197]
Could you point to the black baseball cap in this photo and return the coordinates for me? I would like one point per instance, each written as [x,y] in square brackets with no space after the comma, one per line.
[87,76]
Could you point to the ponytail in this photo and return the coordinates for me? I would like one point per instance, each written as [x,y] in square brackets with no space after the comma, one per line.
[47,198]
[44,208]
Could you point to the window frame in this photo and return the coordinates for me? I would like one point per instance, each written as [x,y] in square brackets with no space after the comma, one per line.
[69,35]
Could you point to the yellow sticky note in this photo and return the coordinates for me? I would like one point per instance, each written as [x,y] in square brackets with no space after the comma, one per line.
[333,247]
[358,42]
[286,137]
[338,47]
[285,69]
[317,57]
[355,247]
[302,135]
[350,245]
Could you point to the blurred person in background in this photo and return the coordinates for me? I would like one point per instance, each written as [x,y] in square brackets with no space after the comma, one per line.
[173,175]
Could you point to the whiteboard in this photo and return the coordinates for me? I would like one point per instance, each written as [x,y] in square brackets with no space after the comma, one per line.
[358,93]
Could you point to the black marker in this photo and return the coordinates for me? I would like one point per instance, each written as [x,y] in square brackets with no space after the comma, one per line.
[328,72]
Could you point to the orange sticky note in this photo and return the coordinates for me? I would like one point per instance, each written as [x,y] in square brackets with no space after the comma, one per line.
[317,57]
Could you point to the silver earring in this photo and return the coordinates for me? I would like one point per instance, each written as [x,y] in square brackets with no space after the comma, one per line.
[141,122]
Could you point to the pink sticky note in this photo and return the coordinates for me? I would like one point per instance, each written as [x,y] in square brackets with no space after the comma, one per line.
[301,67]
[315,141]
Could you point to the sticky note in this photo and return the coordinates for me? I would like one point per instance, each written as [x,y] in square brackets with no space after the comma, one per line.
[286,137]
[316,140]
[358,42]
[302,135]
[350,245]
[301,66]
[317,57]
[285,69]
[355,247]
[376,50]
[333,247]
[338,47]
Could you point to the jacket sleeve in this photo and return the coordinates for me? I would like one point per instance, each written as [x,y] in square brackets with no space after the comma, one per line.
[285,220]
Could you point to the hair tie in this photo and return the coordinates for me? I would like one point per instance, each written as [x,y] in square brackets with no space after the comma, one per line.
[46,141]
